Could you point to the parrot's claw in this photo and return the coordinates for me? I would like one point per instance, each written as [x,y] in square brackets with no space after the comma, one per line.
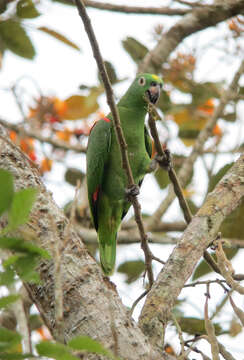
[132,191]
[165,160]
[153,165]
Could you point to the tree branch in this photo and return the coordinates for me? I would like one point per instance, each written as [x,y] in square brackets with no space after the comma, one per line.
[200,18]
[119,135]
[186,169]
[140,10]
[199,234]
[85,290]
[19,129]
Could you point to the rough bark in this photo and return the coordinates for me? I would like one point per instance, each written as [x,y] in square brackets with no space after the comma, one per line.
[91,303]
[200,18]
[199,234]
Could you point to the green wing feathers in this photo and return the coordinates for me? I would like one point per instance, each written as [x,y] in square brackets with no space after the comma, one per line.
[97,155]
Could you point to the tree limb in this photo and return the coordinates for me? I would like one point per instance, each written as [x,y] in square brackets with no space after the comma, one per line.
[202,230]
[140,10]
[198,19]
[186,168]
[85,290]
[19,129]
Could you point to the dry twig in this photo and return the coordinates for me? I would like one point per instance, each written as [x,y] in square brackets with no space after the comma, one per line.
[210,329]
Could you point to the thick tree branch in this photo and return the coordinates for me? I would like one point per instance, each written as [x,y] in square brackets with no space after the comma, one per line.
[87,309]
[199,234]
[136,9]
[140,10]
[19,129]
[200,18]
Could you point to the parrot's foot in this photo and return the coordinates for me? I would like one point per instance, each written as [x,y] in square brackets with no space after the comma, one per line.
[152,166]
[132,191]
[165,160]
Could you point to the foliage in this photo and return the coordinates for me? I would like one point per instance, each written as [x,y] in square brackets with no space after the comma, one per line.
[67,120]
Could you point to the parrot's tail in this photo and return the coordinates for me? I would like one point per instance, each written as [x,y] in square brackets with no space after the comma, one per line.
[107,249]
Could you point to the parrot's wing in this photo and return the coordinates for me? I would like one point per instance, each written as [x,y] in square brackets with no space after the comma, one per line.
[97,156]
[148,142]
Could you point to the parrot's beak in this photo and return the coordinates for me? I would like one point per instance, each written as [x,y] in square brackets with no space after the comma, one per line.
[153,93]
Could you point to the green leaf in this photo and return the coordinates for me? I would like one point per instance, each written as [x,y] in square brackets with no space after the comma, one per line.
[22,246]
[7,277]
[135,49]
[6,190]
[25,267]
[26,10]
[231,117]
[218,176]
[195,326]
[110,71]
[86,343]
[22,203]
[3,5]
[236,217]
[72,175]
[55,350]
[11,260]
[8,300]
[8,339]
[15,39]
[132,269]
[59,37]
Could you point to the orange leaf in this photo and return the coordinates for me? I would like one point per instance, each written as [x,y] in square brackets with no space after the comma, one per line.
[13,135]
[59,37]
[46,165]
[207,107]
[79,106]
[60,106]
[64,135]
[217,130]
[44,333]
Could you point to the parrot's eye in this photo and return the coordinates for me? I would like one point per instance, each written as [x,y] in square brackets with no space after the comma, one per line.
[142,81]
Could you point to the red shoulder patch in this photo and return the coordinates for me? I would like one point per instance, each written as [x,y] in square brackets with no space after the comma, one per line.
[105,119]
[95,194]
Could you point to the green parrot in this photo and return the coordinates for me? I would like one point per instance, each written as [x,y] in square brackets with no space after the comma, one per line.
[106,179]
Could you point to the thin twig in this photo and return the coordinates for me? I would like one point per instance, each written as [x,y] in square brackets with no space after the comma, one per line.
[216,281]
[239,313]
[210,329]
[137,301]
[58,287]
[165,158]
[119,134]
[226,355]
[182,342]
[226,269]
[186,169]
[19,129]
